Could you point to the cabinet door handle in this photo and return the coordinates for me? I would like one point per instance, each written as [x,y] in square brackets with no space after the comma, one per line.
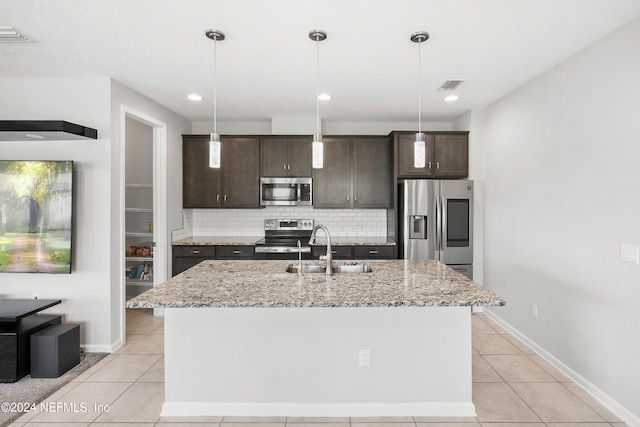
[225,198]
[347,198]
[288,167]
[373,252]
[195,252]
[438,165]
[429,165]
[355,199]
[284,167]
[217,198]
[237,252]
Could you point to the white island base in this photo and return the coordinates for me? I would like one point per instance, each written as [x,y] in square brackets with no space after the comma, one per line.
[284,361]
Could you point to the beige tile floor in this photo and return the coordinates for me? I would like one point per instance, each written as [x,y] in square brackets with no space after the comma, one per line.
[511,386]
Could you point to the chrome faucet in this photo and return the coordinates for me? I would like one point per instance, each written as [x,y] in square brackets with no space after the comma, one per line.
[329,257]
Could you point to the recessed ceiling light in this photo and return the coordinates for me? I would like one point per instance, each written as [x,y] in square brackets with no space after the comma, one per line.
[451,98]
[194,97]
[324,97]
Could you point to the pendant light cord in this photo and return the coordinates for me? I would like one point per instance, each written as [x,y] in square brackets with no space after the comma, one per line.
[215,84]
[317,86]
[419,87]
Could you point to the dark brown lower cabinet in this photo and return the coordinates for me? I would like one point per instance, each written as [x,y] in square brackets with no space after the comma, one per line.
[187,256]
[235,252]
[355,252]
[338,252]
[373,252]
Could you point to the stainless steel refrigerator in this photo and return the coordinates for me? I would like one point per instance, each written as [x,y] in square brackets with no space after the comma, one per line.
[435,219]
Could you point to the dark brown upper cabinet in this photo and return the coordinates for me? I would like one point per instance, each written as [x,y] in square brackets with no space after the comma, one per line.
[286,156]
[234,185]
[447,155]
[356,173]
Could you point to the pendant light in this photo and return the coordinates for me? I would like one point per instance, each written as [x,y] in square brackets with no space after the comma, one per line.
[317,146]
[419,146]
[214,141]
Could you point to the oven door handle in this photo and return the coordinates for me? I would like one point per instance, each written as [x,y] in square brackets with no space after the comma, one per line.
[281,249]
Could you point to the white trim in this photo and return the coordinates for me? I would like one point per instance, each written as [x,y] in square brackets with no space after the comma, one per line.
[603,398]
[159,202]
[417,409]
[101,348]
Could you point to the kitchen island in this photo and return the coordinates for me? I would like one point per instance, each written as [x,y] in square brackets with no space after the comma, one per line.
[248,338]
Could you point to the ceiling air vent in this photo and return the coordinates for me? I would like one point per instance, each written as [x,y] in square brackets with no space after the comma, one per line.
[10,35]
[451,84]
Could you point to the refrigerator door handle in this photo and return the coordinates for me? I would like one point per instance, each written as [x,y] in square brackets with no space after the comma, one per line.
[443,230]
[443,226]
[438,228]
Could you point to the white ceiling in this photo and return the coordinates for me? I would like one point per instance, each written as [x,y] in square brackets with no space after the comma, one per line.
[267,64]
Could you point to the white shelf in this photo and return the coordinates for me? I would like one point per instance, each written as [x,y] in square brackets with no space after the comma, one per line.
[138,234]
[139,210]
[138,282]
[150,186]
[139,258]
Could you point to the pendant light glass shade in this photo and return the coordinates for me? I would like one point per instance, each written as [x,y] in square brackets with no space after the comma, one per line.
[317,147]
[215,146]
[317,152]
[419,146]
[419,151]
[214,151]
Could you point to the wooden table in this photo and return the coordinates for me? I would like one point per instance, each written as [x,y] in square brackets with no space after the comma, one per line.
[18,320]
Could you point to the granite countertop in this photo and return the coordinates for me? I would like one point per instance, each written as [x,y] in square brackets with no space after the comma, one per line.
[354,241]
[217,240]
[393,283]
[251,240]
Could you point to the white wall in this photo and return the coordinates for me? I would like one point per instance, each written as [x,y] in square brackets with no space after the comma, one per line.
[473,123]
[280,126]
[561,193]
[85,292]
[139,152]
[122,96]
[92,293]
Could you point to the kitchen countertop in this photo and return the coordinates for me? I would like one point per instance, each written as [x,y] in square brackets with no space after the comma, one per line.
[251,240]
[392,283]
[217,240]
[354,241]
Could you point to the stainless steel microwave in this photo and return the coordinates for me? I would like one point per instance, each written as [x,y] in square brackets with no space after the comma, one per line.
[285,192]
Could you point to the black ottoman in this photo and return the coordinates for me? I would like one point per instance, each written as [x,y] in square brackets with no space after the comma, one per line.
[55,350]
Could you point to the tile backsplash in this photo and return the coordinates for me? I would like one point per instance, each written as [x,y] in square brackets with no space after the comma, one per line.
[250,222]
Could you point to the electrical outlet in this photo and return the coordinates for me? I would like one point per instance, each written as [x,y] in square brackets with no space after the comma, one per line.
[35,295]
[534,311]
[364,358]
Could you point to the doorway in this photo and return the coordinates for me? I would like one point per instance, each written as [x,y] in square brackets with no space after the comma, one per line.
[143,198]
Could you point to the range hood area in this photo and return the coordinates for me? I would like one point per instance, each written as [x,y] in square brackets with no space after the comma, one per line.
[44,130]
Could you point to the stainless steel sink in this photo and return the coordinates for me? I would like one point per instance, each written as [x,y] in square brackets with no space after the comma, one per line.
[321,268]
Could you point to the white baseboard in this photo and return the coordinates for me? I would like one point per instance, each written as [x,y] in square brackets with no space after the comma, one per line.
[603,398]
[418,409]
[100,348]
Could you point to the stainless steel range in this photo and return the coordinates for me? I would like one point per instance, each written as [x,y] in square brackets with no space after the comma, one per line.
[284,238]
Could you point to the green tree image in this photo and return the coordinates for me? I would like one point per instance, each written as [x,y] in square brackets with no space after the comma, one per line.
[35,216]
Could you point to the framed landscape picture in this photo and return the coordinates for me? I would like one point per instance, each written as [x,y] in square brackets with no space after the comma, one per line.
[36,216]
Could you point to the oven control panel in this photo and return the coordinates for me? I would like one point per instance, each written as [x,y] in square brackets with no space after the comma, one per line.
[288,224]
